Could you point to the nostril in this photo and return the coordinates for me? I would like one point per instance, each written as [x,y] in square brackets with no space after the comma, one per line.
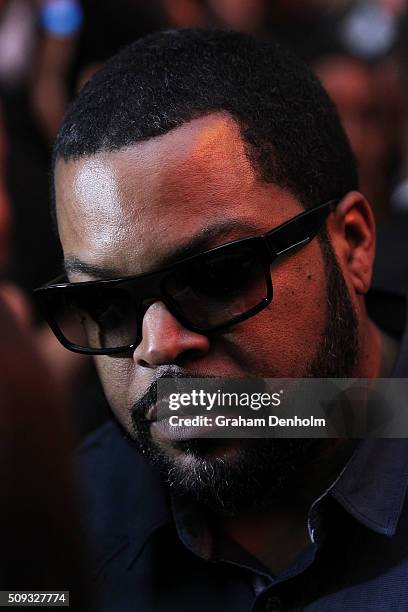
[166,341]
[144,364]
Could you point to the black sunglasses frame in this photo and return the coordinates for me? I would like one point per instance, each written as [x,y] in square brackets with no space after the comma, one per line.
[287,237]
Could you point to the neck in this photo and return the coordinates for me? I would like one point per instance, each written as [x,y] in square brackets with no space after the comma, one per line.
[377,352]
[276,536]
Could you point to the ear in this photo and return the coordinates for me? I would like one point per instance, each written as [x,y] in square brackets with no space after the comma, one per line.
[352,229]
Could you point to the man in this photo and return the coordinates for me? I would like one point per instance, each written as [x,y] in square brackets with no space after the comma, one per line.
[183,142]
[356,86]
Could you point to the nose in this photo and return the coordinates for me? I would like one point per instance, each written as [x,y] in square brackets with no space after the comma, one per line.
[166,341]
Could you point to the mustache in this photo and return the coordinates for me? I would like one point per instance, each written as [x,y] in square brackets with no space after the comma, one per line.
[147,408]
[142,406]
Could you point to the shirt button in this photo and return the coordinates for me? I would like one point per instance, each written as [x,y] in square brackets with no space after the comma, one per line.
[273,604]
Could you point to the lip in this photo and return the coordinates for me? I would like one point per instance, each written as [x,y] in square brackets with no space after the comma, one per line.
[160,411]
[163,430]
[151,414]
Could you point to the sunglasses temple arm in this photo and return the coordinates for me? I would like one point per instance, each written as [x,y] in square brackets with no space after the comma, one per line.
[298,231]
[293,246]
[59,279]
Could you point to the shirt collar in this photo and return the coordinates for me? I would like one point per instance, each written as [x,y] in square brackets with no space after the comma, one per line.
[373,485]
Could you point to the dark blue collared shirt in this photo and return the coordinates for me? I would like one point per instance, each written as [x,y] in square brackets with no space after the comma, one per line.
[149,557]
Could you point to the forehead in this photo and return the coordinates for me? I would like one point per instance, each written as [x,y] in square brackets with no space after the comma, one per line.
[116,208]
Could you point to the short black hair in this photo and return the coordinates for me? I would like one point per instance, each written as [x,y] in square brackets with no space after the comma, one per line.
[290,127]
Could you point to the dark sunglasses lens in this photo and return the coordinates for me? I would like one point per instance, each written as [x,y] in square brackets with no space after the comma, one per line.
[217,288]
[95,317]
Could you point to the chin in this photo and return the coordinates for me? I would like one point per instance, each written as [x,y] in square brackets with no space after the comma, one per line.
[200,450]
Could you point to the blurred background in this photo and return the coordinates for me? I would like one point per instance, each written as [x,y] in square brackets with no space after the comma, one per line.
[48,50]
[50,398]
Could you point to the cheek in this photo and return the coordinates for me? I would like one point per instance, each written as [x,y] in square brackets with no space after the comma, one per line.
[115,376]
[284,339]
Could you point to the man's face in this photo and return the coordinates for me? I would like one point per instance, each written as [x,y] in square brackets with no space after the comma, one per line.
[129,212]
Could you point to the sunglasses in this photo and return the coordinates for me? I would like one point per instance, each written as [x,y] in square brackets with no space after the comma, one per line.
[205,293]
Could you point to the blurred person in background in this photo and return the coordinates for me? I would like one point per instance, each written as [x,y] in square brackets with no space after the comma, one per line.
[25,167]
[306,26]
[17,41]
[369,118]
[61,22]
[33,246]
[400,195]
[250,16]
[42,543]
[5,214]
[364,68]
[78,36]
[363,72]
[370,29]
[65,371]
[185,13]
[392,254]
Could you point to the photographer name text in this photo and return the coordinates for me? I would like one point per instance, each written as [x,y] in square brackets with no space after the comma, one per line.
[240,421]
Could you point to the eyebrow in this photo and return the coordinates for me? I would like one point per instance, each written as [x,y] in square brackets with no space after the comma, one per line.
[204,240]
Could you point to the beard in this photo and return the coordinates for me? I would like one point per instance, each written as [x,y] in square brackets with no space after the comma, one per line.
[231,476]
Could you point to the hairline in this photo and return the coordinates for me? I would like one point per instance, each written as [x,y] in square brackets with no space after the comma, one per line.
[197,115]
